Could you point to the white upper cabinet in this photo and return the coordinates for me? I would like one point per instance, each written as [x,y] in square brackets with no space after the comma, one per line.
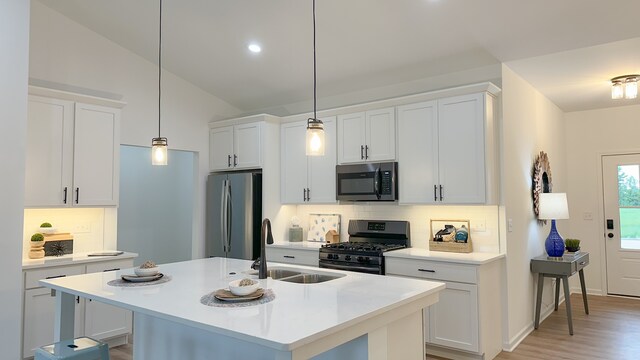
[442,152]
[72,154]
[367,136]
[235,147]
[307,179]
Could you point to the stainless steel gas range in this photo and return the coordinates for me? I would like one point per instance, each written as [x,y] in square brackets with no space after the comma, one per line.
[368,240]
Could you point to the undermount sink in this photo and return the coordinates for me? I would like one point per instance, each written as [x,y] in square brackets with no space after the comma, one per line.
[300,277]
[310,278]
[276,274]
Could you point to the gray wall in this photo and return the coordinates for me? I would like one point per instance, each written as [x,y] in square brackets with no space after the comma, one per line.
[155,216]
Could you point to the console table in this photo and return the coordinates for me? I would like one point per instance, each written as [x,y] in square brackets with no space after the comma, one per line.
[560,268]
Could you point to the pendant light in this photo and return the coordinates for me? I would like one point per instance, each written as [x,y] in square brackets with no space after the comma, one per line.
[159,144]
[315,127]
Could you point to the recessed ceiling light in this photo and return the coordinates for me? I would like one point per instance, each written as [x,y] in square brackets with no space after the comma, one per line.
[254,48]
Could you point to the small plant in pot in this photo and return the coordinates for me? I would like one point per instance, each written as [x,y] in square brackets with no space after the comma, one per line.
[37,238]
[572,245]
[47,228]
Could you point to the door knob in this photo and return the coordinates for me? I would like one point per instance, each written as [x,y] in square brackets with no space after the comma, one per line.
[610,235]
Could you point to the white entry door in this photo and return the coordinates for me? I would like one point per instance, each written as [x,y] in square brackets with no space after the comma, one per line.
[621,183]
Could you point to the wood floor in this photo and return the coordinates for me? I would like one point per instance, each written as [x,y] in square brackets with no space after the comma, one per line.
[610,331]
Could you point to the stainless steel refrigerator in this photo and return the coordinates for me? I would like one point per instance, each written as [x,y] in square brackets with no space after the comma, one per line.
[234,215]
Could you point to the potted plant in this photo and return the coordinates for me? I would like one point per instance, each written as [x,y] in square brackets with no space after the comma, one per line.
[47,228]
[572,245]
[37,246]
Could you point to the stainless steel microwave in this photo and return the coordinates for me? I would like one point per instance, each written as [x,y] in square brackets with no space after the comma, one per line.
[367,182]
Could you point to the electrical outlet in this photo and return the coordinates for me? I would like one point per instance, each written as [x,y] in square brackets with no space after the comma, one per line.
[81,228]
[587,216]
[510,225]
[479,225]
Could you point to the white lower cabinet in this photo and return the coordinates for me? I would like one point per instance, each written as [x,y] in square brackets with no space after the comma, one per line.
[92,318]
[308,257]
[465,323]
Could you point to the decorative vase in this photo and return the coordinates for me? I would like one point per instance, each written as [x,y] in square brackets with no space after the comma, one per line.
[554,243]
[37,250]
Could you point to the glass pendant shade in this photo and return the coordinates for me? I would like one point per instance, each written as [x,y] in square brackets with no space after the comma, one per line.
[159,151]
[315,138]
[617,90]
[631,88]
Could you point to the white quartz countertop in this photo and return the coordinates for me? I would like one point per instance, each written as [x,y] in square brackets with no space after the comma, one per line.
[72,259]
[299,314]
[302,245]
[476,258]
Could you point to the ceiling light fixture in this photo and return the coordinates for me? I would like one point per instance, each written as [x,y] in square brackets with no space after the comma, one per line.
[254,48]
[315,128]
[159,144]
[625,86]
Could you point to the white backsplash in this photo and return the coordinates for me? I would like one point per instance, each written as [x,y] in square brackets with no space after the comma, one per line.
[418,216]
[87,225]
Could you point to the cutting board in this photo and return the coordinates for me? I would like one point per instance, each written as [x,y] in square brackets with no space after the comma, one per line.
[321,224]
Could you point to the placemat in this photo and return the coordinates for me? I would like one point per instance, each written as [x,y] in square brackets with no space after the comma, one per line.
[121,283]
[210,300]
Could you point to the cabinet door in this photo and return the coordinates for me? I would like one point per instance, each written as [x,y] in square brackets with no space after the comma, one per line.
[293,163]
[462,147]
[418,153]
[351,138]
[39,317]
[381,135]
[95,155]
[322,169]
[247,145]
[221,148]
[453,320]
[49,155]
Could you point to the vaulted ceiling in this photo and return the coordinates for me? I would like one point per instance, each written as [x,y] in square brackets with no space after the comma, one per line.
[567,49]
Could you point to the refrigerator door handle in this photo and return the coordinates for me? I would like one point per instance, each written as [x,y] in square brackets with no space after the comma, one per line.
[229,216]
[223,216]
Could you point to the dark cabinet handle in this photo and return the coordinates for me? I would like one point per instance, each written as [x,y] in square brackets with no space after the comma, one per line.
[114,269]
[304,194]
[366,151]
[235,160]
[440,192]
[55,277]
[361,152]
[77,194]
[78,299]
[308,194]
[435,192]
[229,161]
[427,270]
[64,200]
[289,256]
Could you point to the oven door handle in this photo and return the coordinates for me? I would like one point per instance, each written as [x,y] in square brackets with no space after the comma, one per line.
[377,183]
[349,268]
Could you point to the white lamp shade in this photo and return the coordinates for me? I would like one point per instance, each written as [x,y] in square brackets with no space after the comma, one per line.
[617,91]
[553,206]
[631,89]
[315,142]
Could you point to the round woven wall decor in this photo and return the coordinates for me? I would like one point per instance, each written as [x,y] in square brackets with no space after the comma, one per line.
[541,176]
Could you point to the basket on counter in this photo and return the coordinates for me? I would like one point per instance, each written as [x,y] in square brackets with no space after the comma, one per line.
[449,244]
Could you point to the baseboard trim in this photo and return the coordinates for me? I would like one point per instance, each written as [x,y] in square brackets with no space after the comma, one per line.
[451,353]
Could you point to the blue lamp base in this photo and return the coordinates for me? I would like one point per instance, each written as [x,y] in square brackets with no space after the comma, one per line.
[554,243]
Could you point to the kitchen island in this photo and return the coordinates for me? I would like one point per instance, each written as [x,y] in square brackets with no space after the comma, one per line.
[356,316]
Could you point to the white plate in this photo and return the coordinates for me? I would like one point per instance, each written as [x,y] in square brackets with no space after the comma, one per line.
[136,278]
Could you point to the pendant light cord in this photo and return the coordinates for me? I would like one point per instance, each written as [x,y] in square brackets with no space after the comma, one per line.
[160,66]
[314,60]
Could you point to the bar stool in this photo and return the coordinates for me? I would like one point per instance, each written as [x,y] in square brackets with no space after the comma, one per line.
[82,348]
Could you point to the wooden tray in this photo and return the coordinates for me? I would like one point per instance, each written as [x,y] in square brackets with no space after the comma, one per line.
[451,246]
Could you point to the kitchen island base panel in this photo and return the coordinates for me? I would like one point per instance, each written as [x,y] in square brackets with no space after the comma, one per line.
[157,338]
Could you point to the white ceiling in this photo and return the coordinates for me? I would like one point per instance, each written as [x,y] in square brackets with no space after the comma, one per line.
[567,49]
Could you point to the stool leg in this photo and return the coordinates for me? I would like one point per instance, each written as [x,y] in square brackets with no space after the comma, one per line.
[567,302]
[584,291]
[538,300]
[557,293]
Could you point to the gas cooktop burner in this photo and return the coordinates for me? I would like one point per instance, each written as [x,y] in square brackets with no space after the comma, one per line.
[360,246]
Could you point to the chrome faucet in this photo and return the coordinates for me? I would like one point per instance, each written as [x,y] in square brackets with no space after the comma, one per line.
[262,260]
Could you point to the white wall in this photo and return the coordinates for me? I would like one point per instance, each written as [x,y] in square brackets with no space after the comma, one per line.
[591,134]
[64,52]
[530,124]
[14,27]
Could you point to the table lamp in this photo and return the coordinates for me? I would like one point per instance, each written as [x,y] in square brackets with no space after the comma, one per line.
[553,206]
